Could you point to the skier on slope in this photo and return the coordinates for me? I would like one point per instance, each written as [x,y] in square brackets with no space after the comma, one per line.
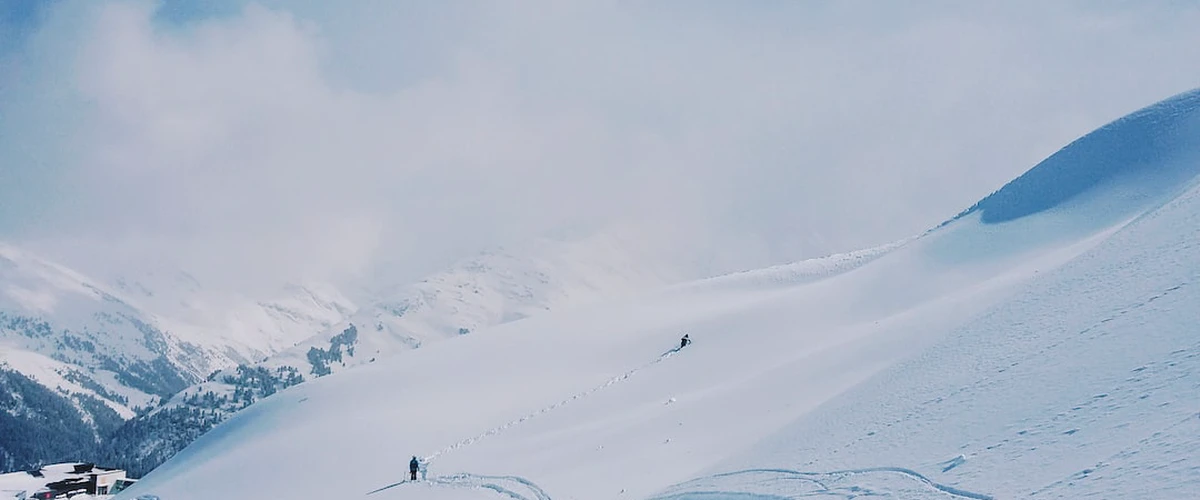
[413,465]
[683,342]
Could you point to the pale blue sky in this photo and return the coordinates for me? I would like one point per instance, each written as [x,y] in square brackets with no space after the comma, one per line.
[20,182]
[29,171]
[323,137]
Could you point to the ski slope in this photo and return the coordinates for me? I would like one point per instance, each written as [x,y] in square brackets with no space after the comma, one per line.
[1040,344]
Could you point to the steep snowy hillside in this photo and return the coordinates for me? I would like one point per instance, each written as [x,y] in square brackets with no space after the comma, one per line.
[1042,350]
[1082,386]
[1085,386]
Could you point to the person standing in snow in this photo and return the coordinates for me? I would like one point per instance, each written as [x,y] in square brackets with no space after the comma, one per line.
[683,342]
[413,465]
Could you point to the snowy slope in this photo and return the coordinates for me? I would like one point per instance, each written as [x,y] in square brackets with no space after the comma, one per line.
[1086,384]
[67,379]
[1040,343]
[495,287]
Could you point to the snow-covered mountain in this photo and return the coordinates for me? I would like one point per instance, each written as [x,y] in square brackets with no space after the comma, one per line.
[1040,344]
[193,330]
[92,326]
[108,350]
[254,328]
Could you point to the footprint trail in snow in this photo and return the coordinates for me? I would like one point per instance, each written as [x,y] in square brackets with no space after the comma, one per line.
[555,406]
[493,482]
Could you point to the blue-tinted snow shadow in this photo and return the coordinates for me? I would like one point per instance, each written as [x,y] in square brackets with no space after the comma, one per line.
[1106,178]
[1145,155]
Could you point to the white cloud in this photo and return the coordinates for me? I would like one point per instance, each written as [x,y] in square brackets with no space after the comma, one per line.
[317,139]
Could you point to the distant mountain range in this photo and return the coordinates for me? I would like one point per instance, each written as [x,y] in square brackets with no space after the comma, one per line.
[133,370]
[94,355]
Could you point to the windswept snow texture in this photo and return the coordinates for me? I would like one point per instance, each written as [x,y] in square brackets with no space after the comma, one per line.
[1051,355]
[795,273]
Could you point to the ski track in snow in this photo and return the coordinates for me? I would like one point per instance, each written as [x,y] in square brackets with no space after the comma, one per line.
[503,485]
[513,487]
[785,484]
[478,481]
[589,392]
[752,484]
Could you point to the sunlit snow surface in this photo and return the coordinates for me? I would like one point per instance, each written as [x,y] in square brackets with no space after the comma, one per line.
[1047,350]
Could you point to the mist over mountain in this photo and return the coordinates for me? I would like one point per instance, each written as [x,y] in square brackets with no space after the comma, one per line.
[260,144]
[206,205]
[1039,344]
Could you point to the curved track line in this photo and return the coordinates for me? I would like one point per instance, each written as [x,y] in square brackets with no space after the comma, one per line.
[476,481]
[490,482]
[815,477]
